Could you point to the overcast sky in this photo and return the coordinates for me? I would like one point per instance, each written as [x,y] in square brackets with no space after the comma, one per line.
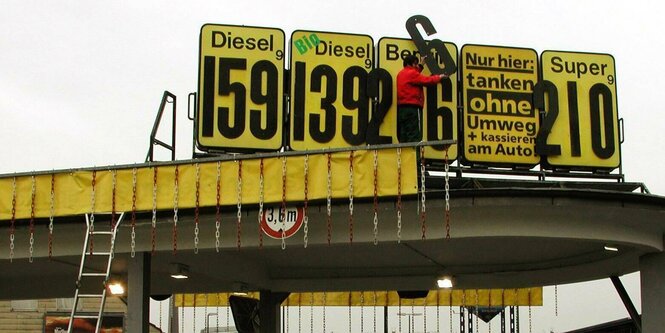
[80,81]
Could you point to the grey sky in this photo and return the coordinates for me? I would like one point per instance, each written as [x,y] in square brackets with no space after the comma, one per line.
[80,81]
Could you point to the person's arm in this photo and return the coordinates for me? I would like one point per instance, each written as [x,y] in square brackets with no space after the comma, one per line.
[425,80]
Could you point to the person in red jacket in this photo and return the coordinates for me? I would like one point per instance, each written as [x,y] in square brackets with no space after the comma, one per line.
[410,98]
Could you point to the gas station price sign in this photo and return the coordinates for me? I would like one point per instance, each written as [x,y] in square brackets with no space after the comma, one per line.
[329,104]
[578,95]
[439,120]
[500,123]
[240,99]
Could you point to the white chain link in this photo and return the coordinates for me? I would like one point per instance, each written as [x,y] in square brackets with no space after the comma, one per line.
[283,214]
[306,218]
[329,197]
[399,211]
[51,212]
[32,216]
[239,199]
[261,198]
[217,221]
[324,311]
[422,183]
[133,235]
[175,199]
[351,193]
[196,225]
[92,206]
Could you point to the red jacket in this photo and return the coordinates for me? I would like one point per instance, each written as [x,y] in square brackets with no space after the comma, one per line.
[410,86]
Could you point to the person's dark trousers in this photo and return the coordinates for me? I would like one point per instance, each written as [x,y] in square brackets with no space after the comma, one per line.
[408,129]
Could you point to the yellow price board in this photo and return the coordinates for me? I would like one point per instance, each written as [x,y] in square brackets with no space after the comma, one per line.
[581,125]
[500,123]
[329,103]
[240,100]
[439,120]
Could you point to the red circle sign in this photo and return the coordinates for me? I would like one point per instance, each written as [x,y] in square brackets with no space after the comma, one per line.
[274,220]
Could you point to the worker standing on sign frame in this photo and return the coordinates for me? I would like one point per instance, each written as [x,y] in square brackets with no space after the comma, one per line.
[410,98]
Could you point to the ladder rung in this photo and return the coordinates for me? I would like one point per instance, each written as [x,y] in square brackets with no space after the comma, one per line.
[98,253]
[102,232]
[86,316]
[91,295]
[93,274]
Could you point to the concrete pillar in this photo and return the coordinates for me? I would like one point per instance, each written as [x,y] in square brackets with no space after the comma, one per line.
[138,293]
[269,315]
[652,278]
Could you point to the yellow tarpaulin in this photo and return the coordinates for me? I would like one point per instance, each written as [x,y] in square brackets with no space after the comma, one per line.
[73,191]
[442,297]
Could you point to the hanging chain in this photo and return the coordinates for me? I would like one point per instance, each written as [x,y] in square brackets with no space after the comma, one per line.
[154,210]
[92,209]
[324,311]
[218,215]
[160,314]
[399,313]
[133,235]
[51,217]
[425,314]
[376,198]
[374,311]
[196,208]
[349,312]
[399,195]
[306,203]
[423,211]
[438,310]
[239,205]
[351,197]
[299,312]
[32,219]
[362,312]
[529,295]
[194,314]
[477,309]
[12,228]
[311,310]
[556,300]
[260,215]
[450,310]
[175,211]
[283,210]
[114,182]
[205,309]
[329,200]
[447,177]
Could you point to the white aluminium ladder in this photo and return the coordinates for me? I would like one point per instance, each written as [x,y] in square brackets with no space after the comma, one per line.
[105,241]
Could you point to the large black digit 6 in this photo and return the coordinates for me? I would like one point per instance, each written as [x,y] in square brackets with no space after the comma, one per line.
[354,80]
[552,112]
[329,125]
[379,86]
[602,149]
[424,47]
[225,89]
[269,98]
[436,114]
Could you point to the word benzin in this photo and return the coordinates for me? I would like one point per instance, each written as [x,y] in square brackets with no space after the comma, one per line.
[505,106]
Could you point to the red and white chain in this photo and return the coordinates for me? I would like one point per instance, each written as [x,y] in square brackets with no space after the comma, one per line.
[175,210]
[218,215]
[92,209]
[423,208]
[51,217]
[306,202]
[283,210]
[32,219]
[399,195]
[153,232]
[196,208]
[260,215]
[239,205]
[133,234]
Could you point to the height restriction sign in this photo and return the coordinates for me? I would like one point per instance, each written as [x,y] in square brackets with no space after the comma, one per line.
[240,100]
